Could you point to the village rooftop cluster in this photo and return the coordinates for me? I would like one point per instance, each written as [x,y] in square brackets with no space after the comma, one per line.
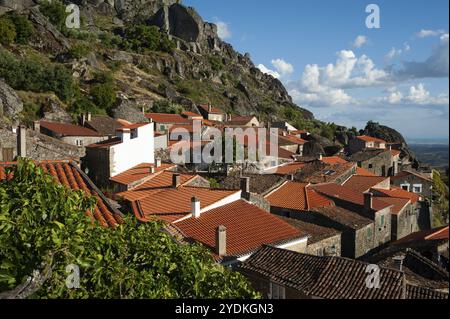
[300,226]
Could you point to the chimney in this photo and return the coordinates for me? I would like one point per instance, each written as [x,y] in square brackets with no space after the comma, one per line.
[152,169]
[195,207]
[83,119]
[221,241]
[245,185]
[292,177]
[284,133]
[176,180]
[209,108]
[158,162]
[398,262]
[143,110]
[368,202]
[37,126]
[22,141]
[320,157]
[125,135]
[229,117]
[89,116]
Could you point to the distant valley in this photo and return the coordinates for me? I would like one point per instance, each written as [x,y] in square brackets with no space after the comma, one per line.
[437,155]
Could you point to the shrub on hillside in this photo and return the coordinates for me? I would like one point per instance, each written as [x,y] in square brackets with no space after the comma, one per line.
[7,31]
[24,28]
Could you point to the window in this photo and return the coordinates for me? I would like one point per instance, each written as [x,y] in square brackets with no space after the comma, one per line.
[382,220]
[369,234]
[417,188]
[405,187]
[276,291]
[370,165]
[79,143]
[134,133]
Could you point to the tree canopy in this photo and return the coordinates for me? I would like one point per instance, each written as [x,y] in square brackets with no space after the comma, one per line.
[44,223]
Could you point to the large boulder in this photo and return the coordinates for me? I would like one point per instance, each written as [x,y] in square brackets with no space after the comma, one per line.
[15,5]
[10,104]
[128,110]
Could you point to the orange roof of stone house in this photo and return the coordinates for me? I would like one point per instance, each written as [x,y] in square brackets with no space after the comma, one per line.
[167,118]
[290,168]
[69,175]
[398,192]
[297,132]
[160,180]
[418,174]
[398,204]
[191,115]
[333,160]
[364,183]
[297,196]
[291,139]
[68,129]
[363,172]
[123,122]
[440,234]
[395,152]
[349,195]
[172,204]
[366,138]
[140,172]
[247,228]
[214,110]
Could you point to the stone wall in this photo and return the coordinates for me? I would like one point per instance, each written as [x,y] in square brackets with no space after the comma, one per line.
[364,239]
[327,247]
[405,222]
[382,227]
[381,165]
[412,180]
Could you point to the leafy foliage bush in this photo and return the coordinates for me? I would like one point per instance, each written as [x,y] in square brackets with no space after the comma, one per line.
[44,223]
[104,94]
[141,37]
[7,31]
[24,28]
[165,106]
[31,75]
[55,11]
[79,51]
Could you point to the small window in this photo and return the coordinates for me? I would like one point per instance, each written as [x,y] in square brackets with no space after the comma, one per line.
[370,165]
[417,188]
[382,220]
[79,143]
[277,291]
[369,233]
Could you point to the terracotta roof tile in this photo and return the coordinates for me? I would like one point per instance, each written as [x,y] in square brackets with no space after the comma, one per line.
[348,195]
[290,168]
[71,176]
[291,139]
[240,120]
[440,234]
[248,228]
[177,201]
[191,115]
[398,192]
[424,235]
[139,172]
[366,138]
[363,172]
[297,196]
[344,216]
[364,183]
[159,181]
[395,152]
[106,143]
[420,175]
[214,110]
[398,204]
[323,277]
[167,118]
[416,292]
[68,129]
[334,160]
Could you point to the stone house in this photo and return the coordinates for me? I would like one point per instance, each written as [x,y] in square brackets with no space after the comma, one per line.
[271,272]
[284,126]
[360,143]
[102,124]
[291,143]
[416,182]
[322,241]
[212,113]
[71,134]
[32,144]
[163,122]
[246,121]
[377,161]
[365,204]
[133,145]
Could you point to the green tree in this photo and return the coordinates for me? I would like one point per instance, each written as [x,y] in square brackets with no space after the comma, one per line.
[43,224]
[24,28]
[55,11]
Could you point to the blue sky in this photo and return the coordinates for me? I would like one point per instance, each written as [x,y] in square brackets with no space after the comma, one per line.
[332,64]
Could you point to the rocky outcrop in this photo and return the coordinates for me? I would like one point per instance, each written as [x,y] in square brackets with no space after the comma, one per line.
[10,104]
[54,112]
[320,145]
[15,5]
[128,111]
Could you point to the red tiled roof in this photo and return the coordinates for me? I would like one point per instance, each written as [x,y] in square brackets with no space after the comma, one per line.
[397,203]
[191,114]
[334,160]
[395,152]
[291,168]
[440,234]
[167,118]
[292,139]
[366,138]
[214,110]
[363,172]
[133,126]
[247,228]
[398,192]
[364,183]
[349,195]
[175,203]
[139,172]
[417,174]
[106,143]
[298,132]
[68,129]
[188,127]
[71,176]
[159,181]
[297,196]
[240,120]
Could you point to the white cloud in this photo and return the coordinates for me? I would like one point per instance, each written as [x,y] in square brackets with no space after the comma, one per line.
[223,30]
[394,53]
[282,69]
[359,41]
[429,33]
[415,95]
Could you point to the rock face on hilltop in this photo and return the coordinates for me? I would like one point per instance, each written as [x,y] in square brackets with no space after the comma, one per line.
[10,104]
